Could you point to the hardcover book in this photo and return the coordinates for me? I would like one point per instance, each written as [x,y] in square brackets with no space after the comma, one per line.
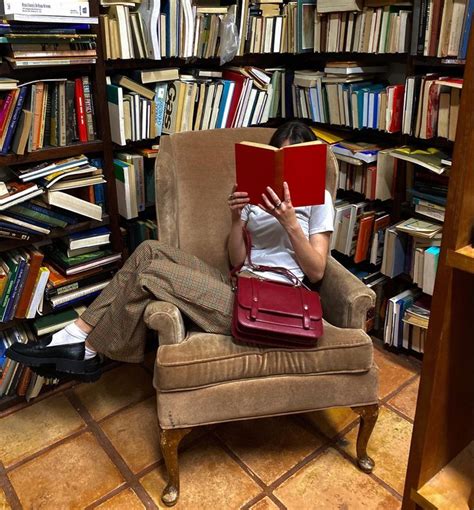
[302,166]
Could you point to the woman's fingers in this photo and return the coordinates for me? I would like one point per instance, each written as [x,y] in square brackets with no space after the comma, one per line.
[286,193]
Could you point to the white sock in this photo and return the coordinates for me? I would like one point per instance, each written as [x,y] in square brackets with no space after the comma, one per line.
[71,334]
[90,353]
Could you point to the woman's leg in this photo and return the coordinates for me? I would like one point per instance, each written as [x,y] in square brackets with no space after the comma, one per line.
[198,290]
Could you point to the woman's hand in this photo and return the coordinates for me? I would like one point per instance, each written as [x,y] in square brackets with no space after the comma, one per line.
[237,201]
[284,211]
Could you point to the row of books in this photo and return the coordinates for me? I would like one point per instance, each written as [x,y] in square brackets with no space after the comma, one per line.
[441,29]
[135,184]
[138,231]
[34,280]
[431,106]
[52,113]
[373,30]
[407,319]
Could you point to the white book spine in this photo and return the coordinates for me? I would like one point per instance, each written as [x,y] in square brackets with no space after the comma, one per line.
[46,7]
[37,294]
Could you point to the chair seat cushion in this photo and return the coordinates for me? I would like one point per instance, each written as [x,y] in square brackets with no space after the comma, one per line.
[207,359]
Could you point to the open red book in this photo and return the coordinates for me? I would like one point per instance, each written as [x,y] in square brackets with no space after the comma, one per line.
[302,166]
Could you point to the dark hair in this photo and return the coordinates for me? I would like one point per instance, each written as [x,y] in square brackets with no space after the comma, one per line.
[293,131]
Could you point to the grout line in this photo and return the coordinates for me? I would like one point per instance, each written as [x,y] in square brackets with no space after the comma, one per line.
[398,412]
[371,475]
[398,390]
[47,449]
[122,487]
[10,493]
[130,478]
[124,408]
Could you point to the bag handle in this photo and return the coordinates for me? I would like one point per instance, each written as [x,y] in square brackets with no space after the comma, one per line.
[295,281]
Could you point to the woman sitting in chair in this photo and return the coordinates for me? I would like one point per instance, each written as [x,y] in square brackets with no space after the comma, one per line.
[113,325]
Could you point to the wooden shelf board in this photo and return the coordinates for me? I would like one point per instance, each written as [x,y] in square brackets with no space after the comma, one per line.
[56,232]
[452,487]
[462,259]
[53,153]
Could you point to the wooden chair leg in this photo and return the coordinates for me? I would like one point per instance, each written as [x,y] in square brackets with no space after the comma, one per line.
[368,417]
[169,442]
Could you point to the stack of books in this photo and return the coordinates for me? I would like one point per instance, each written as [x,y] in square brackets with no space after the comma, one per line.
[51,113]
[416,320]
[48,34]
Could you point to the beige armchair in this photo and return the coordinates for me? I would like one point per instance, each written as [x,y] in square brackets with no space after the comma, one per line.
[202,378]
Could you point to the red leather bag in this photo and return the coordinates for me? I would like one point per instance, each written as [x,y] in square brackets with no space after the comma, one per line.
[274,314]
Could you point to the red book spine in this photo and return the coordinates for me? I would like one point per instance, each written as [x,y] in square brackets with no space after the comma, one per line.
[397,109]
[239,80]
[4,111]
[80,111]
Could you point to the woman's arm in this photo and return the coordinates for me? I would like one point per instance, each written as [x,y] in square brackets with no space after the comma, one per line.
[311,254]
[236,244]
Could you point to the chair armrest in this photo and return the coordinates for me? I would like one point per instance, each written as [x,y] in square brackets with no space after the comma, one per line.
[166,319]
[344,298]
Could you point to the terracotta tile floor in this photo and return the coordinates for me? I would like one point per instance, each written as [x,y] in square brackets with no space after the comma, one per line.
[96,446]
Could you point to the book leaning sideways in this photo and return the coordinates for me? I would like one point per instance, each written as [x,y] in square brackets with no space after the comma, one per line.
[302,166]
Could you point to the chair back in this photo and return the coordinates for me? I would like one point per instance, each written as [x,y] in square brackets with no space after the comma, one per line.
[194,174]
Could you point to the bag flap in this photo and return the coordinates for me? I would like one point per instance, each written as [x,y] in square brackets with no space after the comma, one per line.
[278,298]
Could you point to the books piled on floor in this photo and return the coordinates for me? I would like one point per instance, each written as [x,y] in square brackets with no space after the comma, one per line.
[16,378]
[52,113]
[44,34]
[441,29]
[431,106]
[33,200]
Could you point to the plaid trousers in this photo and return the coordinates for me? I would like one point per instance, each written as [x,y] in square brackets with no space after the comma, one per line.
[156,271]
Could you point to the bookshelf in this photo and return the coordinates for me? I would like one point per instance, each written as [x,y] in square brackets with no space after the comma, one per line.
[404,64]
[444,420]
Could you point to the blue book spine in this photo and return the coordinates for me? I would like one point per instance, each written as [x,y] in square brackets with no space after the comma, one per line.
[89,233]
[27,219]
[376,110]
[49,212]
[99,194]
[225,94]
[19,280]
[97,162]
[160,101]
[14,120]
[466,30]
[17,228]
[77,300]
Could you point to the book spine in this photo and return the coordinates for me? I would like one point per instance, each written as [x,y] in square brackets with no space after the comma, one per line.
[53,8]
[70,113]
[10,234]
[15,292]
[64,123]
[88,107]
[14,121]
[80,111]
[5,109]
[53,129]
[35,265]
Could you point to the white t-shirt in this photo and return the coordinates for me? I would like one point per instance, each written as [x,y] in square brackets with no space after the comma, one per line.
[271,245]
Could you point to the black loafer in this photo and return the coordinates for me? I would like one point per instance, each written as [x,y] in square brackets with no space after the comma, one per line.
[67,358]
[92,371]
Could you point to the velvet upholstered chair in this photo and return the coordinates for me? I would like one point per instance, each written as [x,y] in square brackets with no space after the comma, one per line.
[202,378]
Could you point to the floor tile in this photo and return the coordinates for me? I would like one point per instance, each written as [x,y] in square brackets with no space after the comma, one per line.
[270,446]
[134,433]
[332,482]
[331,421]
[3,501]
[265,504]
[405,401]
[72,475]
[393,372]
[209,478]
[34,427]
[115,389]
[125,500]
[389,446]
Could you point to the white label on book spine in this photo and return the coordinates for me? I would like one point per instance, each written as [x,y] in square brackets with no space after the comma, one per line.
[46,8]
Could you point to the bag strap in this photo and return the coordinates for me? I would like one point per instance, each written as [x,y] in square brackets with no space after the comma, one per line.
[293,279]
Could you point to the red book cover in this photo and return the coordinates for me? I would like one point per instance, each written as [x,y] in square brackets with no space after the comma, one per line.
[397,108]
[239,80]
[36,258]
[80,111]
[302,166]
[6,106]
[363,239]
